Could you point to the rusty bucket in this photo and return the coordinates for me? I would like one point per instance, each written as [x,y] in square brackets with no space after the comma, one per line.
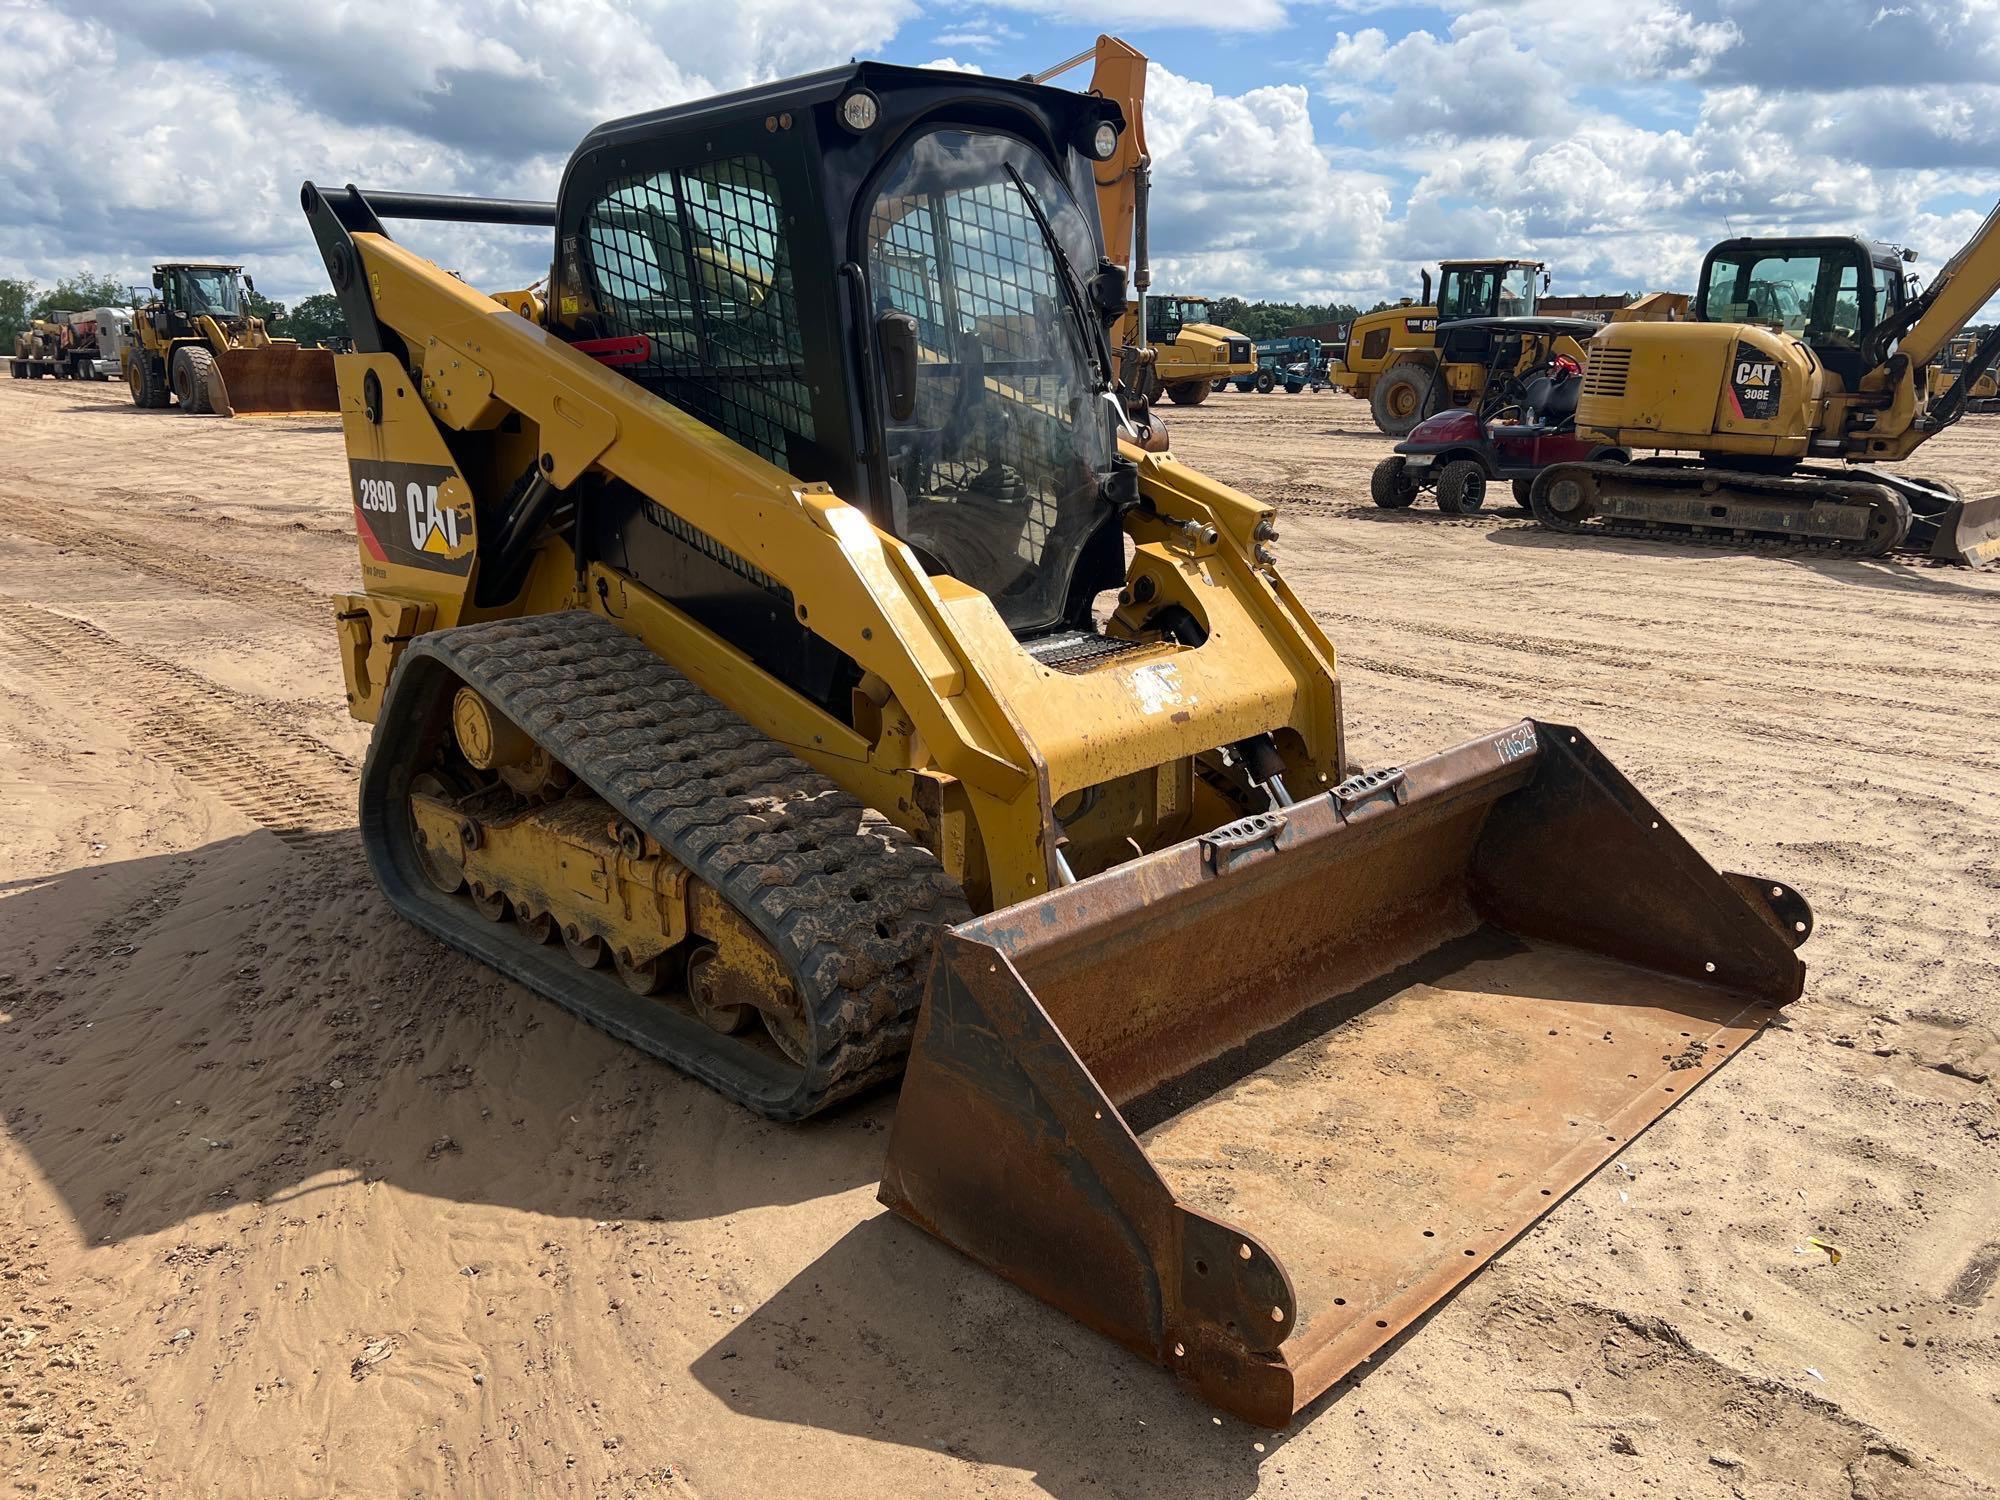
[1251,1104]
[276,378]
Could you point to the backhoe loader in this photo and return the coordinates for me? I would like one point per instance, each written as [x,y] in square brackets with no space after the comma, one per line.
[782,653]
[197,345]
[1799,349]
[1166,343]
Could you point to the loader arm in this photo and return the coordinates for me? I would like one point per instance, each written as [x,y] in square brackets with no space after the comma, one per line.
[1013,737]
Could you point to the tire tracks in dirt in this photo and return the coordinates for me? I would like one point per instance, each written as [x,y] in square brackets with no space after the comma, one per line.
[212,576]
[283,779]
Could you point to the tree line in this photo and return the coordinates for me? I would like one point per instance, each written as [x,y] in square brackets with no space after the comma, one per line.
[311,320]
[1267,320]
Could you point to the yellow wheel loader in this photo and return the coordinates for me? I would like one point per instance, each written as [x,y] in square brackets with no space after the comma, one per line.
[1982,396]
[1801,374]
[782,655]
[197,345]
[1167,345]
[1406,368]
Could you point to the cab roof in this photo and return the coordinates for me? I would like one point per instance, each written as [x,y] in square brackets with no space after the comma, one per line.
[1494,260]
[811,89]
[1878,252]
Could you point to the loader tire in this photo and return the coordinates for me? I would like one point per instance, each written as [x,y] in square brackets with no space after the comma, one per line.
[194,376]
[849,904]
[1188,392]
[1402,398]
[1461,488]
[1524,490]
[1390,486]
[147,382]
[1264,382]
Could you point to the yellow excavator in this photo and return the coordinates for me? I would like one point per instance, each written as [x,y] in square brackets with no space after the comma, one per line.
[1800,349]
[1167,342]
[198,346]
[783,652]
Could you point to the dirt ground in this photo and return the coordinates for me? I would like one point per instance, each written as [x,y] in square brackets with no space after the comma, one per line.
[298,1202]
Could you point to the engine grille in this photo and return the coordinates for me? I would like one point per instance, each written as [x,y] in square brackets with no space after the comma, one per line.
[1239,352]
[1077,651]
[1605,373]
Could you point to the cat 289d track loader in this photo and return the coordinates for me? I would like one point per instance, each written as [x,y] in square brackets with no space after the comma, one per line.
[781,655]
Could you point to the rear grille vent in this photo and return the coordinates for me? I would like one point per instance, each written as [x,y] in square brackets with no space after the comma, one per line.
[1075,651]
[1605,373]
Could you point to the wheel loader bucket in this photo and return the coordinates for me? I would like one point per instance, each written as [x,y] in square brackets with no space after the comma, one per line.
[1969,532]
[258,381]
[1252,1104]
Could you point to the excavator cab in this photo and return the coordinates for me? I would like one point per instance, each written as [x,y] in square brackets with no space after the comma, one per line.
[783,617]
[1831,291]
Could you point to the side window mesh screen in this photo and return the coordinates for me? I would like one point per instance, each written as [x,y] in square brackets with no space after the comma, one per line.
[695,260]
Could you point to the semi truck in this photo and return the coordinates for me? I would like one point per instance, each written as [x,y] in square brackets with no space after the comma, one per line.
[87,345]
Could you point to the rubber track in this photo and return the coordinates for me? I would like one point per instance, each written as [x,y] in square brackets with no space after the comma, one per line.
[849,901]
[1729,540]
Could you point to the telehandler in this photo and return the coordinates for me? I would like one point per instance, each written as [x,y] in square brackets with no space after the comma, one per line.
[197,345]
[1799,349]
[782,653]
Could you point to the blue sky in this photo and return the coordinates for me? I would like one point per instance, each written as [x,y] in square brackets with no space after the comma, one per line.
[1306,149]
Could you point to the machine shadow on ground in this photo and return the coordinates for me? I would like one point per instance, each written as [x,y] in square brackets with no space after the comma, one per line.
[1907,574]
[176,1025]
[869,1338]
[249,1022]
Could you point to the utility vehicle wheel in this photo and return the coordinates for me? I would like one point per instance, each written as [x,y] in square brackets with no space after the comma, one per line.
[194,372]
[1402,398]
[1264,382]
[1461,488]
[1523,488]
[1390,486]
[1188,392]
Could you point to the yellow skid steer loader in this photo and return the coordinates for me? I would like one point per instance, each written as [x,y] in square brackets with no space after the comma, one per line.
[782,654]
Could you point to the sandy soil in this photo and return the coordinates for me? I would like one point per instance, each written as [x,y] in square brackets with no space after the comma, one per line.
[301,1203]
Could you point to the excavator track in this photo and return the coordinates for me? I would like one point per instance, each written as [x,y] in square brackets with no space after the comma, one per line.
[1804,511]
[848,902]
